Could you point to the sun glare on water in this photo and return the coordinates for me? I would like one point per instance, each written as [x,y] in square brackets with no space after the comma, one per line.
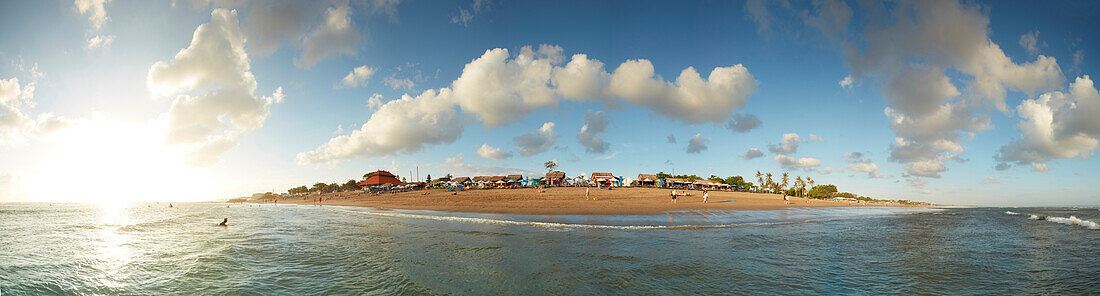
[115,163]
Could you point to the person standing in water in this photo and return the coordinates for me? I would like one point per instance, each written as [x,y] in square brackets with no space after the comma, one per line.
[224,222]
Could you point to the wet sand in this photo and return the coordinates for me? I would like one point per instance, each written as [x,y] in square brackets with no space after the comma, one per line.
[566,201]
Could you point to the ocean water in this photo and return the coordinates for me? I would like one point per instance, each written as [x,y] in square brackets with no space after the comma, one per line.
[151,249]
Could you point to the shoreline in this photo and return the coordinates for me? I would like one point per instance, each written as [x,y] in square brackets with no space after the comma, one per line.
[566,201]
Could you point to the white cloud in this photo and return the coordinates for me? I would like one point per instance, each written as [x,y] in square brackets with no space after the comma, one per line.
[17,124]
[1056,125]
[788,162]
[789,145]
[752,153]
[99,41]
[96,10]
[374,102]
[388,7]
[697,144]
[403,125]
[815,138]
[358,76]
[927,111]
[1031,43]
[1078,58]
[500,90]
[846,83]
[211,123]
[465,15]
[337,34]
[743,123]
[582,78]
[690,98]
[399,84]
[595,125]
[538,141]
[491,152]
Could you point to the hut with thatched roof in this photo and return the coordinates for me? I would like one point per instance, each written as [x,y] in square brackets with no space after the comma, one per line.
[554,178]
[647,180]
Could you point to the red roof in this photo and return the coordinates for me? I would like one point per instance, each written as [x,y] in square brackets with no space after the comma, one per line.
[380,178]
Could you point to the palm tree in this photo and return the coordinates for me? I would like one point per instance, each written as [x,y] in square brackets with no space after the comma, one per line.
[786,180]
[800,184]
[811,181]
[550,165]
[769,181]
[759,179]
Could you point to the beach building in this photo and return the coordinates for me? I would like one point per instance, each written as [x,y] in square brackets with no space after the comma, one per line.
[463,181]
[604,179]
[380,178]
[554,178]
[647,180]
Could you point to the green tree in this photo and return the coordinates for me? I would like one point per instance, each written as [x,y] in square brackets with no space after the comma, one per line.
[822,191]
[770,184]
[760,178]
[786,180]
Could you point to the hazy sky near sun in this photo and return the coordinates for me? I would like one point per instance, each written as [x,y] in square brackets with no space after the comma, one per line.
[972,102]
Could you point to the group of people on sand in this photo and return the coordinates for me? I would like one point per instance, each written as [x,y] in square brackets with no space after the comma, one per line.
[673,194]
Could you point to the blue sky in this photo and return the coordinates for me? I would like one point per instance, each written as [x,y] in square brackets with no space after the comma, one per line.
[105,112]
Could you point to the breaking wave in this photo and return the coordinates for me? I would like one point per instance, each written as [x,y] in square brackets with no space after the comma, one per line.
[1036,217]
[555,225]
[1072,220]
[1011,213]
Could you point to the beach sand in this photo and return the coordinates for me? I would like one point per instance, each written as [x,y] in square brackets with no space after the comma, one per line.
[566,201]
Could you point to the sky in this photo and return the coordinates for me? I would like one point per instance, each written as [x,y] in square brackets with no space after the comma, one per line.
[969,103]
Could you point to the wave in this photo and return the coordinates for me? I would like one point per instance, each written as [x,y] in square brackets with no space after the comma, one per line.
[1011,213]
[555,225]
[1072,220]
[1036,217]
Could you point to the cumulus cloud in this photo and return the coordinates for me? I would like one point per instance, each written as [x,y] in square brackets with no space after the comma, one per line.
[788,162]
[374,102]
[752,153]
[491,152]
[99,41]
[211,123]
[595,125]
[498,88]
[815,138]
[1031,43]
[358,76]
[1055,125]
[927,111]
[337,34]
[96,10]
[690,98]
[273,22]
[404,125]
[537,141]
[17,124]
[697,144]
[465,15]
[789,145]
[743,123]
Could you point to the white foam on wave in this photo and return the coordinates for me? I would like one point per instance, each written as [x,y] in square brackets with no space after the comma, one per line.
[1011,213]
[1072,220]
[1034,217]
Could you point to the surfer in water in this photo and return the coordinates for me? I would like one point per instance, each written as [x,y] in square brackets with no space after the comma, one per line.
[224,222]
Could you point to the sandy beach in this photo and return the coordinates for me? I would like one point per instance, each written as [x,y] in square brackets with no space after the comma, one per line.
[566,201]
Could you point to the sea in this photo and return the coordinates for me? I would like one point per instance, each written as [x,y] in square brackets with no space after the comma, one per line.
[266,249]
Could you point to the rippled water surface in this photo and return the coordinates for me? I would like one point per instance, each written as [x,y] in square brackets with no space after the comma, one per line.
[267,249]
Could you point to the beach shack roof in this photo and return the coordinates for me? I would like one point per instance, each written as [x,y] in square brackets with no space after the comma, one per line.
[514,178]
[380,178]
[462,179]
[555,175]
[602,176]
[647,177]
[481,179]
[496,179]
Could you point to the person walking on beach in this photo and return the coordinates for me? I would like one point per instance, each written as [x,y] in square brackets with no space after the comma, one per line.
[786,199]
[673,194]
[586,192]
[706,195]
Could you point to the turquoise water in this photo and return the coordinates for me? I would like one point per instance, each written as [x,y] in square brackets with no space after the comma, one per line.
[286,249]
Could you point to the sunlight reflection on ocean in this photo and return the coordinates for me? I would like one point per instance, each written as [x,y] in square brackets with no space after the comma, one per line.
[148,248]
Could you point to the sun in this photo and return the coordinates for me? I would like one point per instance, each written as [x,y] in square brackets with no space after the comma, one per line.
[105,162]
